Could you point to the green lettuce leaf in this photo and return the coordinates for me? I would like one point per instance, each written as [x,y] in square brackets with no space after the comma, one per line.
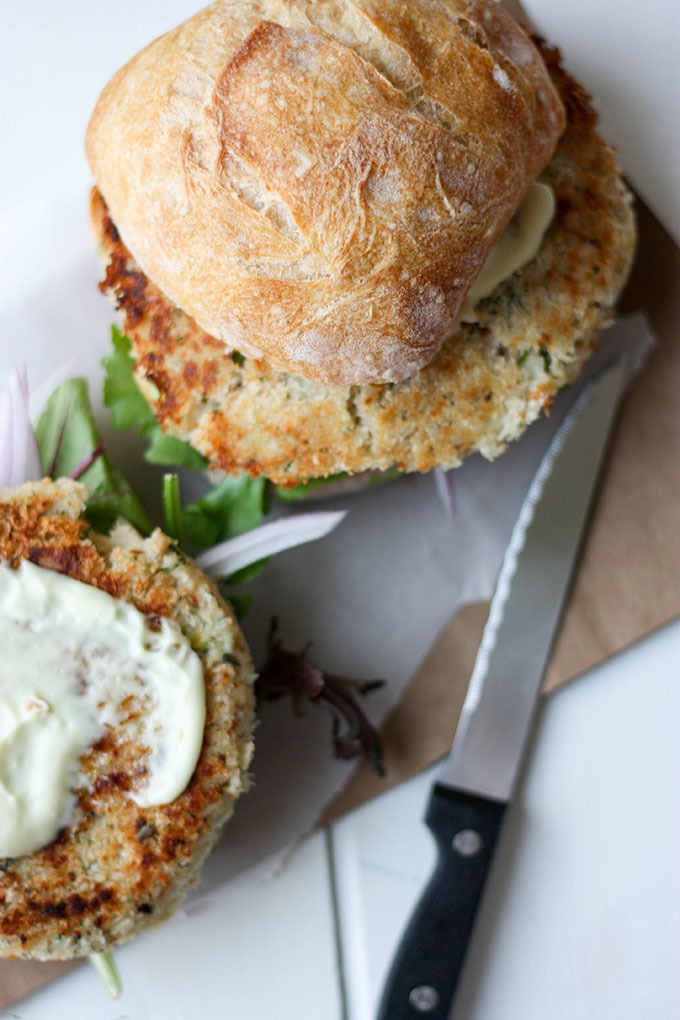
[234,505]
[70,446]
[172,508]
[305,489]
[129,410]
[315,486]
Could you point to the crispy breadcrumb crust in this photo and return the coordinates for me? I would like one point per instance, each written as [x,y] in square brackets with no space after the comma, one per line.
[491,379]
[119,869]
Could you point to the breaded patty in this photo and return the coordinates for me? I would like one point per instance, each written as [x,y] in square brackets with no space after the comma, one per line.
[491,379]
[117,869]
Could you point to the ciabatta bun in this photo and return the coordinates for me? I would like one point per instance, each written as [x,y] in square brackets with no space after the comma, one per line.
[317,183]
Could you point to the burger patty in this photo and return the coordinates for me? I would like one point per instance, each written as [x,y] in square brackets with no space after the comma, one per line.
[117,868]
[489,381]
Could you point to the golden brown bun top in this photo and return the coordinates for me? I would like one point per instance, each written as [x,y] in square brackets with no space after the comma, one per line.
[318,182]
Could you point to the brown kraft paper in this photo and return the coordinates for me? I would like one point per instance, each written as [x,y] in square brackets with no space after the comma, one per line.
[628,580]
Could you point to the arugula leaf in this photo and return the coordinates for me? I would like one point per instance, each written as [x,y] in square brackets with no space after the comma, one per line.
[70,446]
[173,452]
[240,602]
[295,493]
[122,395]
[234,505]
[129,410]
[304,489]
[172,507]
[113,498]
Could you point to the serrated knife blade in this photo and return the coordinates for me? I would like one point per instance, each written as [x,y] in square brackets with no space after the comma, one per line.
[476,780]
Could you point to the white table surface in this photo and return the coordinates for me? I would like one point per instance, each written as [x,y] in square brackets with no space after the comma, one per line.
[582,915]
[581,920]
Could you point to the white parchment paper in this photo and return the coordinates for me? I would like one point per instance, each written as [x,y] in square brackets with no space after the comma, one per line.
[372,597]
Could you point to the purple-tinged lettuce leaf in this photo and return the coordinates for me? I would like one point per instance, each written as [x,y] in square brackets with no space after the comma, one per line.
[70,447]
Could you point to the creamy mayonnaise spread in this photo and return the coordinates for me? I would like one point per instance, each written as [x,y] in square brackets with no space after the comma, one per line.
[517,245]
[71,656]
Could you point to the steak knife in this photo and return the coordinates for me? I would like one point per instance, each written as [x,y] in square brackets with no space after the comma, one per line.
[475,782]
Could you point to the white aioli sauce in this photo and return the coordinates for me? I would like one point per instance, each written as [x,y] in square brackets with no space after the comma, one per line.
[70,654]
[517,245]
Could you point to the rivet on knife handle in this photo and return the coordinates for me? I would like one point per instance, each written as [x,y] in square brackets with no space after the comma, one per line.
[429,960]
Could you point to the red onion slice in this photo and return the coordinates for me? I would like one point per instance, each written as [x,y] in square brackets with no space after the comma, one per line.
[267,540]
[19,457]
[446,490]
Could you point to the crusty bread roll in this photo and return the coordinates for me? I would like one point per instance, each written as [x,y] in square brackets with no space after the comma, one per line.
[318,182]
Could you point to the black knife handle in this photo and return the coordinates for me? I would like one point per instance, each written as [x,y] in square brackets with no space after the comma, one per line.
[427,965]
